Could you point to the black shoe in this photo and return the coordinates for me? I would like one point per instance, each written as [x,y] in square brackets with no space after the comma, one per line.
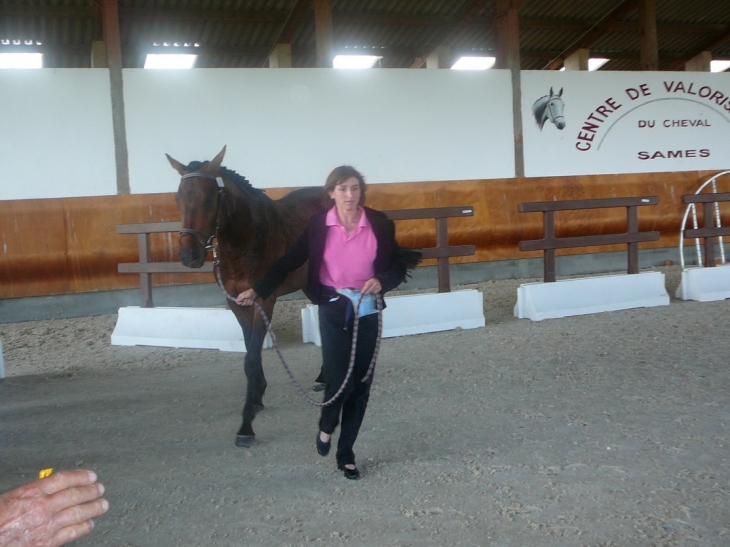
[352,474]
[323,448]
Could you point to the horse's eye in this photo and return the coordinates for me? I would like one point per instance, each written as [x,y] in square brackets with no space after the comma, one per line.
[209,201]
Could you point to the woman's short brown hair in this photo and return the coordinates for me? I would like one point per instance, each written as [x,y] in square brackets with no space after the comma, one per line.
[338,176]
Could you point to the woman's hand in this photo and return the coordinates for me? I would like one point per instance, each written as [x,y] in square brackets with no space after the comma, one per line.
[371,286]
[246,298]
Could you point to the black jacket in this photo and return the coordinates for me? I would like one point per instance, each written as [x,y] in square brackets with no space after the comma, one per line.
[389,266]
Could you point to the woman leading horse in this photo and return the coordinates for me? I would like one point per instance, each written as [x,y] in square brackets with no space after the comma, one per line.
[348,247]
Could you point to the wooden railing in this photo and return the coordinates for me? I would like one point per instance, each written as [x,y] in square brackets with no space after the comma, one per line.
[549,242]
[710,231]
[441,252]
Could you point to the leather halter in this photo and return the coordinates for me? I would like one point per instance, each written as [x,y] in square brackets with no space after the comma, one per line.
[199,235]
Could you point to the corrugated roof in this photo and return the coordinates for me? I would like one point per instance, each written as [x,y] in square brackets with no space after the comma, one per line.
[242,33]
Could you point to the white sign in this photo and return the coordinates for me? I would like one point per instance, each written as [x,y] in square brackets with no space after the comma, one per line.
[578,123]
[291,127]
[57,136]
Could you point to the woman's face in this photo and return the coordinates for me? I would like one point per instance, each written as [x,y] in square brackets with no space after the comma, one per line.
[346,195]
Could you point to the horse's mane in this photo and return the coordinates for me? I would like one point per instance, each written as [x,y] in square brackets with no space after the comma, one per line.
[239,180]
[538,109]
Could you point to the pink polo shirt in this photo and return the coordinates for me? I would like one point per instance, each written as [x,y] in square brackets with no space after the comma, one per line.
[348,260]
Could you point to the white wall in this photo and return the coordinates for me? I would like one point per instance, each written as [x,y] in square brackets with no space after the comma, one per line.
[291,127]
[646,122]
[56,135]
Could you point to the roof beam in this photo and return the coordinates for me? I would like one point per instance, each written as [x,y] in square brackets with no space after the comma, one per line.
[617,26]
[49,12]
[238,16]
[595,32]
[346,17]
[711,43]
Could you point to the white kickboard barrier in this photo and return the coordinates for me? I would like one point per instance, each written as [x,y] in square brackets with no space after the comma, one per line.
[415,314]
[581,296]
[705,284]
[202,328]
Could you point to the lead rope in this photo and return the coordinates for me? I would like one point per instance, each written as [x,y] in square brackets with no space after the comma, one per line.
[353,349]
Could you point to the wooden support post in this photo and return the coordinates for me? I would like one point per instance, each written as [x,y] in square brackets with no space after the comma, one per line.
[649,44]
[281,56]
[709,218]
[508,57]
[548,224]
[578,60]
[699,63]
[98,55]
[323,33]
[145,278]
[439,58]
[632,223]
[442,240]
[508,33]
[110,17]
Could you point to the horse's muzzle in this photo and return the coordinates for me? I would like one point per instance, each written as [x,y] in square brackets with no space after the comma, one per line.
[192,257]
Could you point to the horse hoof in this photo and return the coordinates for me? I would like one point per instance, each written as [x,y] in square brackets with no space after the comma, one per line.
[245,441]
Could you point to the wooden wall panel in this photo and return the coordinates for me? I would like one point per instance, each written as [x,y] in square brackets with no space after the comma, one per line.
[34,254]
[68,245]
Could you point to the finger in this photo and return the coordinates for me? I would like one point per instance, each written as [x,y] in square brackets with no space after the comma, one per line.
[75,496]
[71,533]
[80,514]
[66,479]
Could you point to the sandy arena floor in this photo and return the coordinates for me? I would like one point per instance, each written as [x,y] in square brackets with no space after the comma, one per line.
[600,430]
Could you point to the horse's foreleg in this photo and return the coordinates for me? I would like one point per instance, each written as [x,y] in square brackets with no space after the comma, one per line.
[253,332]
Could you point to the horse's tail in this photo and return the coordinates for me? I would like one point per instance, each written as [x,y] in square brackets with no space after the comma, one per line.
[412,258]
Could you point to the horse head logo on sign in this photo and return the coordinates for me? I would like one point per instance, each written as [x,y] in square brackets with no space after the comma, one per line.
[550,107]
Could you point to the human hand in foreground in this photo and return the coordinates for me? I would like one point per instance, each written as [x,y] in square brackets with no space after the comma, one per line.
[246,298]
[52,511]
[371,286]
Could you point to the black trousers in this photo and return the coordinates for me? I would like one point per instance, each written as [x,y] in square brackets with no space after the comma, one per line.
[335,326]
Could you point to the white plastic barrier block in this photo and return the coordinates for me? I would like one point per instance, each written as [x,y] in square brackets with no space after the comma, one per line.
[204,328]
[567,297]
[415,314]
[705,284]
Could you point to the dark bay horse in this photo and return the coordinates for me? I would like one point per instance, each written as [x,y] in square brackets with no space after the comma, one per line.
[252,231]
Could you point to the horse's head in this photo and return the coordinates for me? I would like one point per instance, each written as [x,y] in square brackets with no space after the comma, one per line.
[199,198]
[554,107]
[549,107]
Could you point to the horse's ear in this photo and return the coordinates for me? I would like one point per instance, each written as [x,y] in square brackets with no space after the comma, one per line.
[176,165]
[551,91]
[215,163]
[560,93]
